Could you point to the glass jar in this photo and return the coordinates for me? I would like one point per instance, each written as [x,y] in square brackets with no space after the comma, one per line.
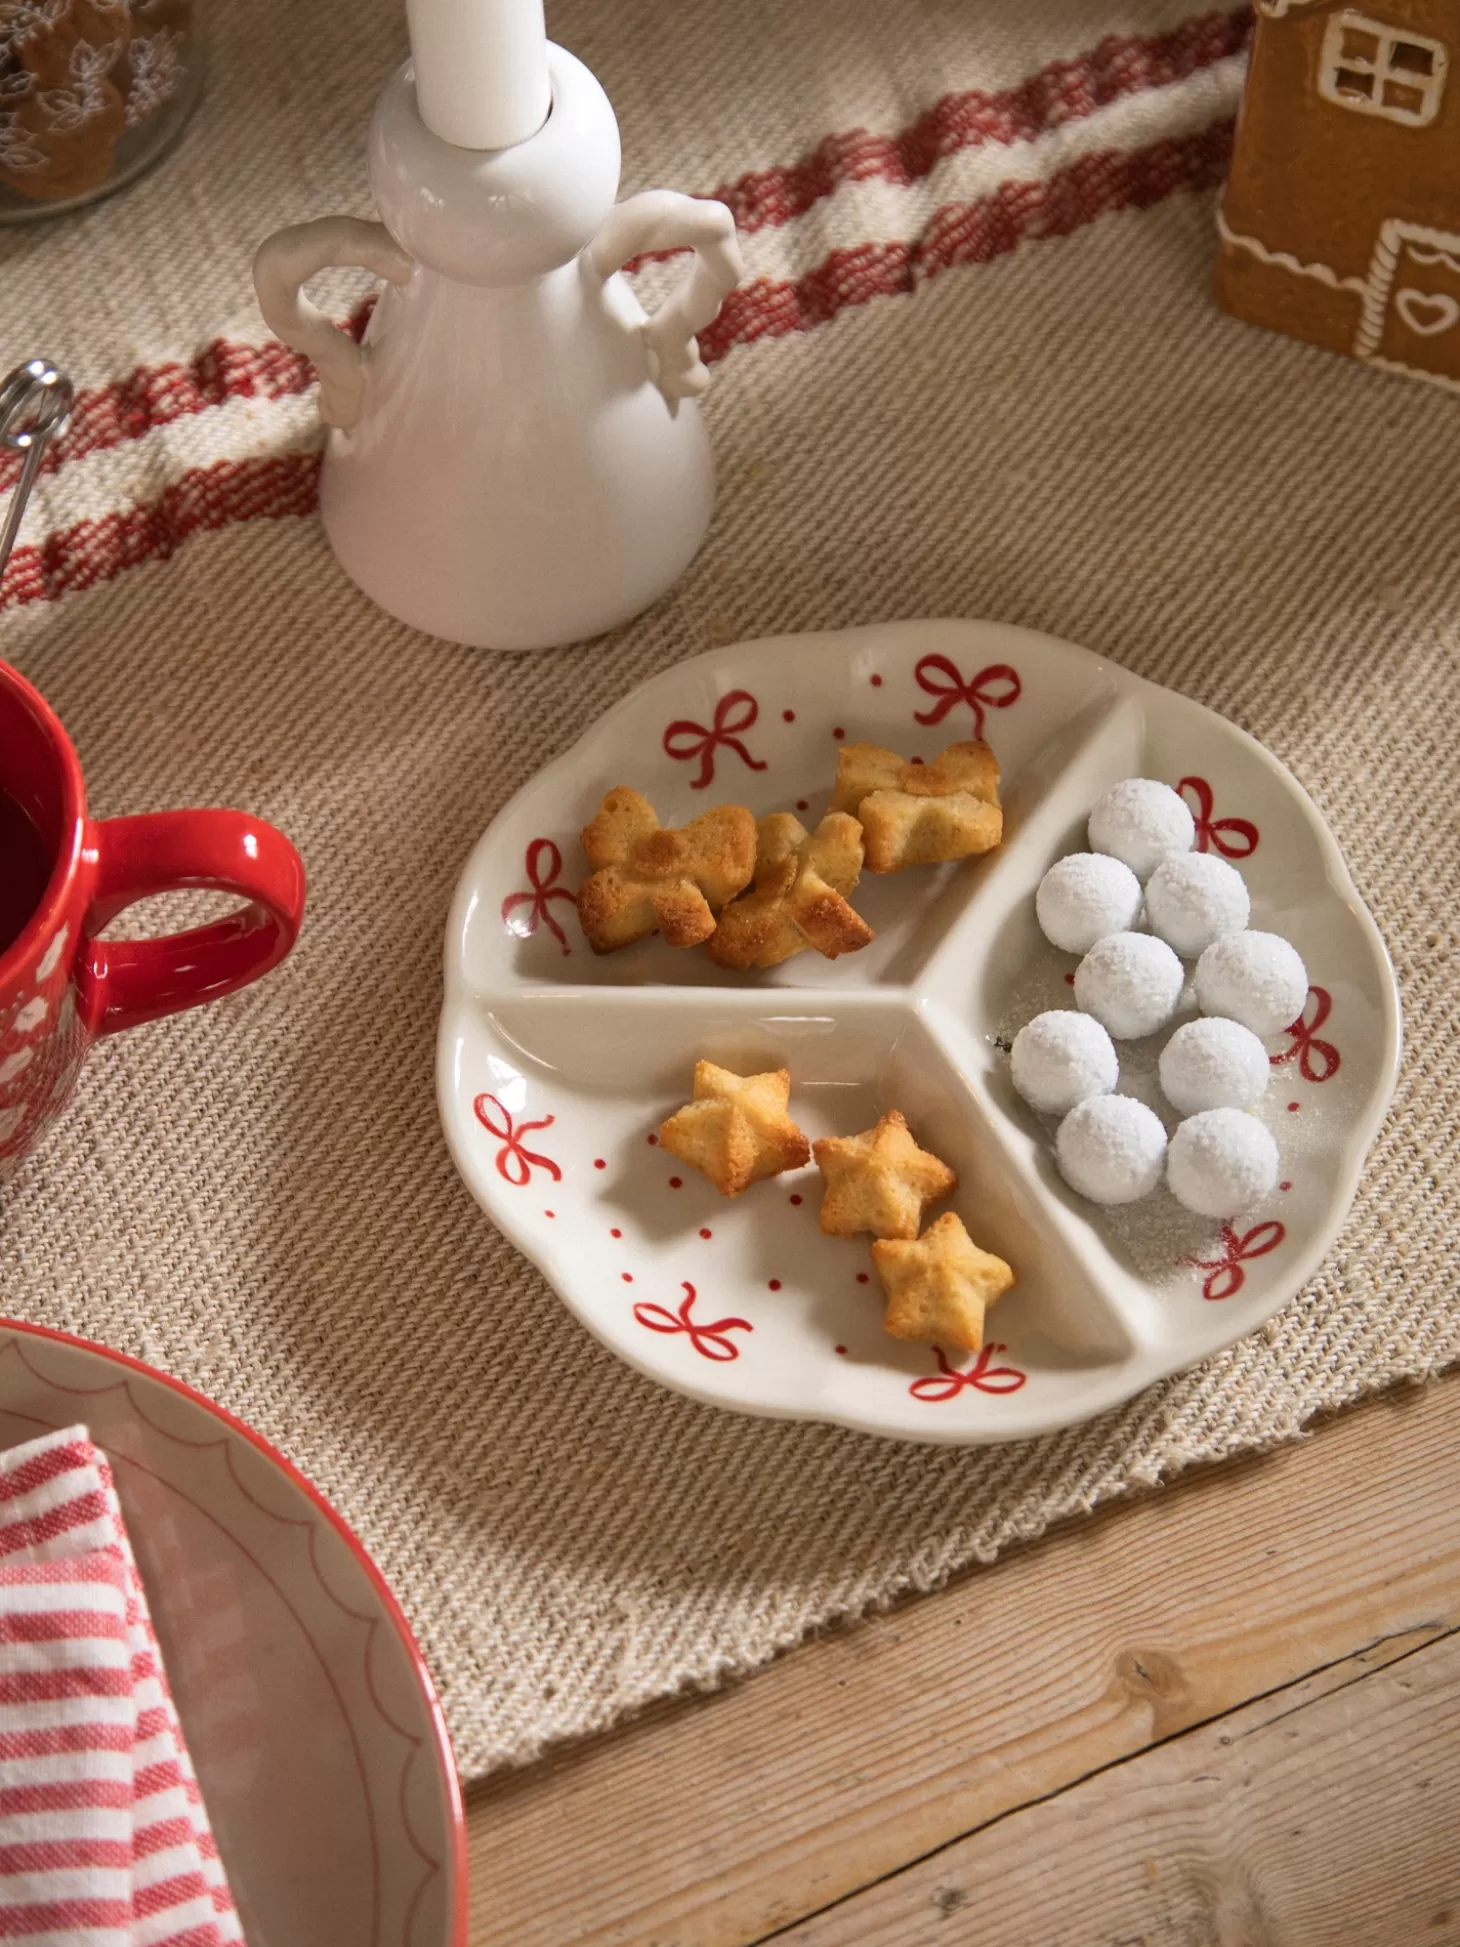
[92,92]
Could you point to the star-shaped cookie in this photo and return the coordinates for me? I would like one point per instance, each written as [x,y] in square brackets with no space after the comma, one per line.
[650,877]
[879,1181]
[736,1130]
[920,814]
[799,899]
[939,1287]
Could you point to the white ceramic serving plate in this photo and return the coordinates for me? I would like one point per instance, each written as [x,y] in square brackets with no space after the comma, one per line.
[308,1711]
[555,1067]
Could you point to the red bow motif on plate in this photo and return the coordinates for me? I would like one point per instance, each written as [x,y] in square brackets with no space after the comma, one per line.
[1318,1061]
[539,900]
[515,1162]
[994,688]
[1224,1275]
[710,1341]
[1234,838]
[686,740]
[983,1376]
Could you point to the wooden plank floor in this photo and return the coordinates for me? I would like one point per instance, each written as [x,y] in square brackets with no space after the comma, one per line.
[1228,1712]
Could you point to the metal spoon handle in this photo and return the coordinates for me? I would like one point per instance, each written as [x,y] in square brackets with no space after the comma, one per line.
[35,405]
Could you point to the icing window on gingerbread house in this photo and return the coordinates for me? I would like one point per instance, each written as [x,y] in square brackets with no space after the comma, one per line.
[1379,71]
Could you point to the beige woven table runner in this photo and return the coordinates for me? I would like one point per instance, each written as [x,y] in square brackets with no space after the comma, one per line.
[977,374]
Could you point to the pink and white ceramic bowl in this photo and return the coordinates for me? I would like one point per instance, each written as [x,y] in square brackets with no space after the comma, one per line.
[555,1067]
[308,1710]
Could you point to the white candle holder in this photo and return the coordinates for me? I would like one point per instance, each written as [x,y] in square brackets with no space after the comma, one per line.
[515,458]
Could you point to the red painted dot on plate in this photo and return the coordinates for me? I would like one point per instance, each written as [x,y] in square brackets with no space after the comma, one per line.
[915,760]
[1069,980]
[803,804]
[773,1284]
[704,1233]
[876,682]
[676,1182]
[862,1277]
[615,1233]
[842,1349]
[838,732]
[1285,1186]
[1292,1108]
[599,1163]
[789,716]
[796,1196]
[549,1213]
[652,1141]
[627,1276]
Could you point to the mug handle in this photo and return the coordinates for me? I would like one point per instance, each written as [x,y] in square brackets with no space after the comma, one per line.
[127,982]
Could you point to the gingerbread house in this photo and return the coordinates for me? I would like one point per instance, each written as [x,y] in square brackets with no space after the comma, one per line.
[1341,219]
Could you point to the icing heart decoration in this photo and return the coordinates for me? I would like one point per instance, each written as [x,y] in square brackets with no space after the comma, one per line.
[1427,312]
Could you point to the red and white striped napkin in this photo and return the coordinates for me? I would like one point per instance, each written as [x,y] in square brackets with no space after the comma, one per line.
[104,1838]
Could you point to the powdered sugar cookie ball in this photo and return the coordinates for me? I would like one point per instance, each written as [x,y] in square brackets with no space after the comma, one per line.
[1194,899]
[1110,1148]
[1141,822]
[1084,897]
[1060,1058]
[1131,983]
[1221,1162]
[1254,978]
[1213,1064]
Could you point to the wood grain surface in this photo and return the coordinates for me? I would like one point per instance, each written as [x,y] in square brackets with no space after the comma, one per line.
[1067,1704]
[1303,1817]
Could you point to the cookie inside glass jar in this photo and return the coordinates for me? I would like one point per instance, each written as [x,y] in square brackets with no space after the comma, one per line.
[92,92]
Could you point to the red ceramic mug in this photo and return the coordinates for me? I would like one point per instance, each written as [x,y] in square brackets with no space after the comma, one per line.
[63,878]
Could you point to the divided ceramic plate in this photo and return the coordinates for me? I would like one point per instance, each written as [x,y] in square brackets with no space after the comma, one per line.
[307,1708]
[555,1067]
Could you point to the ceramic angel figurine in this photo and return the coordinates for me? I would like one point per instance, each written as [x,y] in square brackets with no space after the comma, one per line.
[515,459]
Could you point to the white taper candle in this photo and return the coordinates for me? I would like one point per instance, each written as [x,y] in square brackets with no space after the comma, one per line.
[481,69]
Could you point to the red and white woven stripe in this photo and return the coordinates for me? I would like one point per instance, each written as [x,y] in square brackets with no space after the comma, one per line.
[104,1838]
[174,449]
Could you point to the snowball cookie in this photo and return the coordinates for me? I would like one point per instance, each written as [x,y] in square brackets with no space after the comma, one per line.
[1213,1064]
[1221,1161]
[1084,897]
[1141,822]
[1061,1057]
[1110,1148]
[1254,978]
[1195,898]
[1131,983]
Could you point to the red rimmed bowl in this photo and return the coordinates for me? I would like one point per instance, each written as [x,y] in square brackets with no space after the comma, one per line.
[308,1708]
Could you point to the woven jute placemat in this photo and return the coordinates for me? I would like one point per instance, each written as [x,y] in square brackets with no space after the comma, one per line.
[979,374]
